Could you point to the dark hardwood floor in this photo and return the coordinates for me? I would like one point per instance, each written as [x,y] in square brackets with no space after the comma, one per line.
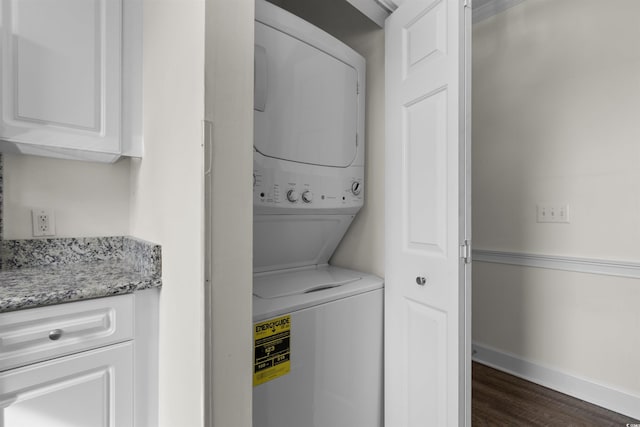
[500,399]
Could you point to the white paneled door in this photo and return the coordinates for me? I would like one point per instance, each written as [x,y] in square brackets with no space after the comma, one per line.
[427,273]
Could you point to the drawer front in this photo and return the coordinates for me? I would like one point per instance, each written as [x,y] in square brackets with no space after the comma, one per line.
[37,334]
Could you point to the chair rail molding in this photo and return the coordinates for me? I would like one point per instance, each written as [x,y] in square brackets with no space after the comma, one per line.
[555,262]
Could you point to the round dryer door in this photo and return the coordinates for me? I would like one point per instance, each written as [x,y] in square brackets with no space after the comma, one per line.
[306,102]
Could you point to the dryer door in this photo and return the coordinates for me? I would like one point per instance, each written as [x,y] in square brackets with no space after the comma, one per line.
[306,102]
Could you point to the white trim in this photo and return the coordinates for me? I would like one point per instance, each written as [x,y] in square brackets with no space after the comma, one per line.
[606,396]
[555,262]
[372,9]
[486,9]
[390,5]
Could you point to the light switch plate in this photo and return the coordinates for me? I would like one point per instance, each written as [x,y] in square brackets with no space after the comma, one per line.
[552,212]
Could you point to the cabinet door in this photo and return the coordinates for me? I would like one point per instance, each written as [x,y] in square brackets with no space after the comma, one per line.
[93,388]
[61,75]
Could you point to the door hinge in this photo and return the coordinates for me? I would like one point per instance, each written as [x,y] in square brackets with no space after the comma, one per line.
[467,3]
[207,143]
[465,252]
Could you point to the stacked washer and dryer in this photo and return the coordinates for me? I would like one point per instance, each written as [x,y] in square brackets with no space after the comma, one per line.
[318,345]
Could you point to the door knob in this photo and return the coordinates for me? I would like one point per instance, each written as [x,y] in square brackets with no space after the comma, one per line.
[55,334]
[421,280]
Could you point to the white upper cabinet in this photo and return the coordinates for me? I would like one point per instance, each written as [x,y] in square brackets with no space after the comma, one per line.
[71,78]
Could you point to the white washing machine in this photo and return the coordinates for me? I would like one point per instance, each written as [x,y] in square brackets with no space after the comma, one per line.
[318,328]
[335,349]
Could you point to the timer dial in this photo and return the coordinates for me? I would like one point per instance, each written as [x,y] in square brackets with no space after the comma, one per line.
[292,196]
[356,188]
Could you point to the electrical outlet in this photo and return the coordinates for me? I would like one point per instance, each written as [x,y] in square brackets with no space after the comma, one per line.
[547,212]
[43,222]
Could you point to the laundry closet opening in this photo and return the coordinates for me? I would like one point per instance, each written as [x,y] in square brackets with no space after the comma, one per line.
[318,217]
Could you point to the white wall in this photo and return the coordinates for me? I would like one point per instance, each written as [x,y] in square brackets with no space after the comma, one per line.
[362,248]
[556,100]
[88,199]
[167,197]
[229,107]
[581,324]
[556,96]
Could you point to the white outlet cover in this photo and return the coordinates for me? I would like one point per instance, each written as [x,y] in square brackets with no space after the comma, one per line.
[49,226]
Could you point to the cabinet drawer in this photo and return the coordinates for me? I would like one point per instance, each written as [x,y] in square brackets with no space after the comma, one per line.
[37,334]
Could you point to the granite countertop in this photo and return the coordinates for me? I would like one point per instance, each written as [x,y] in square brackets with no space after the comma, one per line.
[52,271]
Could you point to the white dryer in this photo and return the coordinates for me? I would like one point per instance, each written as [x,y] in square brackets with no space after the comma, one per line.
[318,328]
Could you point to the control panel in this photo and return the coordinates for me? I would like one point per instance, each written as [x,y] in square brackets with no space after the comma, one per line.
[307,187]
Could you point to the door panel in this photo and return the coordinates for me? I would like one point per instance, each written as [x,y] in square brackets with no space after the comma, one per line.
[92,388]
[427,331]
[426,206]
[61,73]
[426,35]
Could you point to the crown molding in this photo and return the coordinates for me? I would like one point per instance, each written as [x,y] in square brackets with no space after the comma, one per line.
[483,9]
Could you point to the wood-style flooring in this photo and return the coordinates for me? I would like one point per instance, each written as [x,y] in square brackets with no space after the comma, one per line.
[500,399]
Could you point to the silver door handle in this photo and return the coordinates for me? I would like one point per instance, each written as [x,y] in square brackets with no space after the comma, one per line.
[55,334]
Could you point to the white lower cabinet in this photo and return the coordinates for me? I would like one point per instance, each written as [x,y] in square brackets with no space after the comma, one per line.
[92,388]
[83,364]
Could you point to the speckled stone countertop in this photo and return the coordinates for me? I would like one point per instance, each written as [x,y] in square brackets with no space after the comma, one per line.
[54,271]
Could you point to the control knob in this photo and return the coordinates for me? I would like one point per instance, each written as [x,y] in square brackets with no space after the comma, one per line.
[307,196]
[356,188]
[292,196]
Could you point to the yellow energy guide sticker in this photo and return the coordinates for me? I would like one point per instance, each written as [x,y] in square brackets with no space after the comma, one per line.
[271,349]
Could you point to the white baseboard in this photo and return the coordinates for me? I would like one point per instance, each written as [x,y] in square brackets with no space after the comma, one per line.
[580,388]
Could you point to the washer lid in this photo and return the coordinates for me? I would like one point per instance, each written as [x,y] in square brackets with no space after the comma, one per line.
[306,101]
[302,282]
[296,282]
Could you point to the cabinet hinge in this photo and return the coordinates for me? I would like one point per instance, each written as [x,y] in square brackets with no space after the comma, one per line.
[465,252]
